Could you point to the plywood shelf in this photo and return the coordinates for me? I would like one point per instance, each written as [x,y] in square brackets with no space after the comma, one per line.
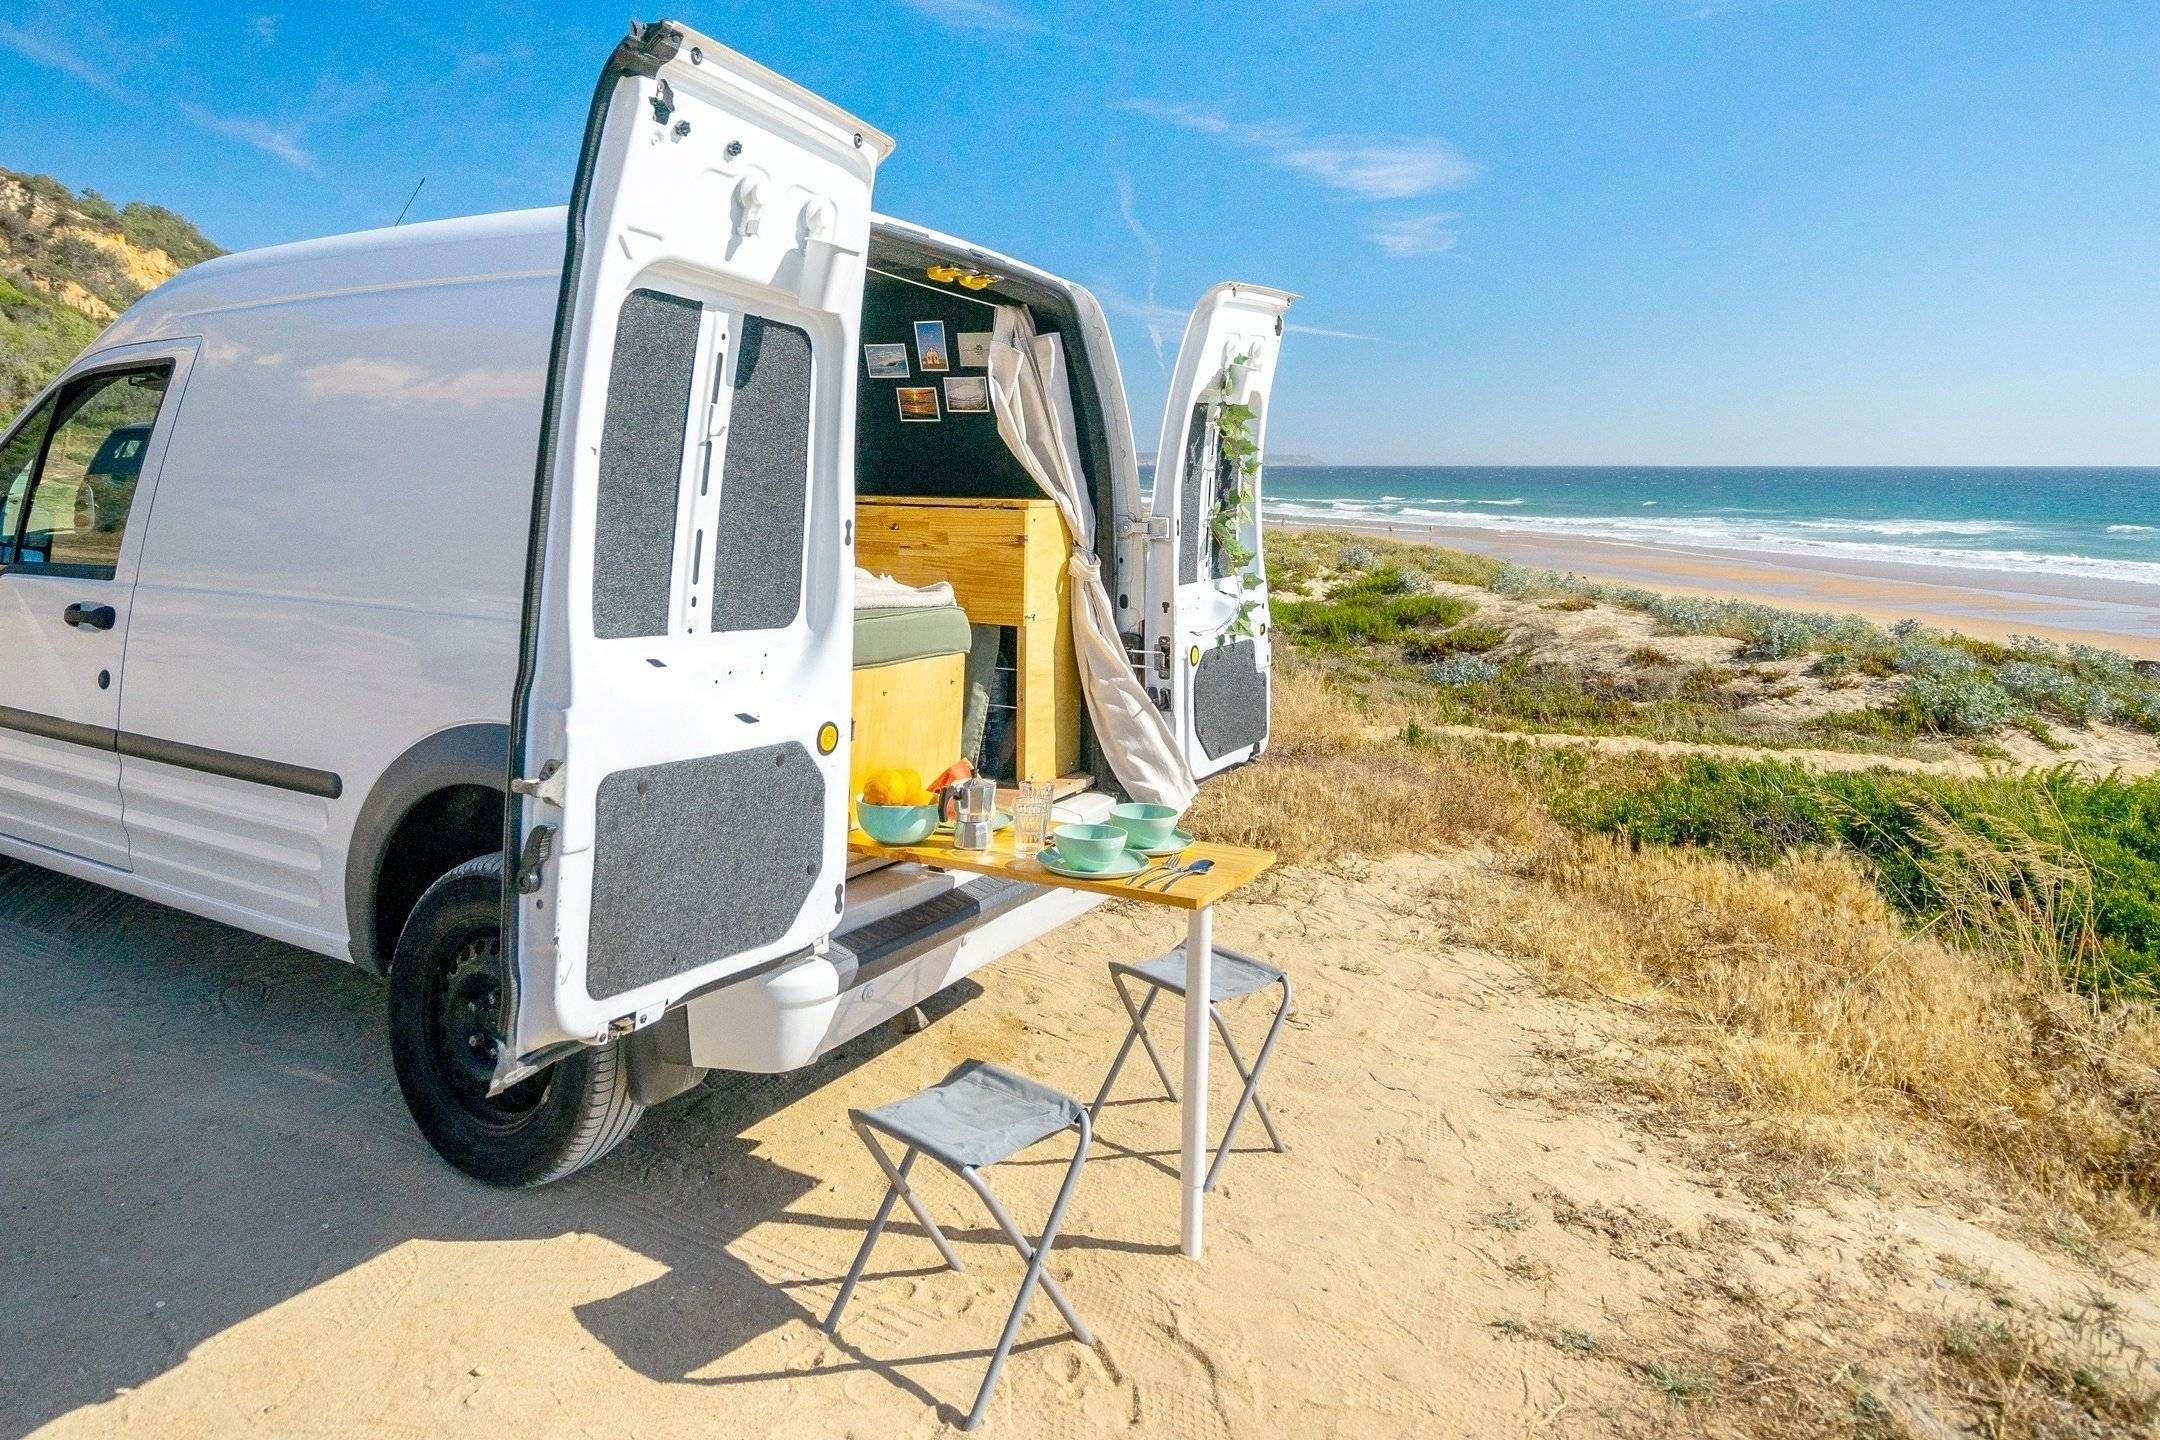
[1005,560]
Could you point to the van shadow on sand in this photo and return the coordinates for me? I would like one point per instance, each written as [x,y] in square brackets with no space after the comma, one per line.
[197,1124]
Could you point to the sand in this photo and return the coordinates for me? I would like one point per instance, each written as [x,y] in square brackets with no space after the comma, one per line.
[1991,605]
[220,1222]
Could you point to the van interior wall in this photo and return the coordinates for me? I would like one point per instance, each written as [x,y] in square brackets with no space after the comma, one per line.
[953,455]
[960,456]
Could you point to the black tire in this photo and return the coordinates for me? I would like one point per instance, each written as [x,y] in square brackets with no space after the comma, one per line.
[445,993]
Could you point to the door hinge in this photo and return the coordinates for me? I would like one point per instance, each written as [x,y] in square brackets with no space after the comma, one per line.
[1148,527]
[1162,656]
[548,788]
[538,842]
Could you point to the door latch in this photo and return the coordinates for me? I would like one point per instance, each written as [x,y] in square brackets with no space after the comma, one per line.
[548,788]
[538,842]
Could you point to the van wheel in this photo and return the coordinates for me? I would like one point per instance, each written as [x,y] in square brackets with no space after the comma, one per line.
[445,1014]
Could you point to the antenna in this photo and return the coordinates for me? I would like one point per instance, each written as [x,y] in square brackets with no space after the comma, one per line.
[408,203]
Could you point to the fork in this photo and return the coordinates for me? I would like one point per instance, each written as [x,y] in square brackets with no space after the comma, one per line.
[1162,870]
[1198,867]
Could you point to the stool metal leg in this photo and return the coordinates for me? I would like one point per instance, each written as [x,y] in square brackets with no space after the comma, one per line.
[1138,1031]
[1251,1094]
[1037,1258]
[899,1183]
[898,1180]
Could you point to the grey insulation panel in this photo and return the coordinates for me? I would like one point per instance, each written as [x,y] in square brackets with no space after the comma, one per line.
[641,458]
[764,481]
[697,860]
[1230,699]
[1192,511]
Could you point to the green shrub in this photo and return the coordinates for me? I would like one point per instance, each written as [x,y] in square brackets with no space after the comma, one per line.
[1925,838]
[1471,639]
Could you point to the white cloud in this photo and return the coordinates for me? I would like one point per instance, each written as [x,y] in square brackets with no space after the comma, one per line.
[283,142]
[1322,332]
[984,15]
[1370,168]
[391,382]
[265,28]
[54,55]
[1156,329]
[1416,235]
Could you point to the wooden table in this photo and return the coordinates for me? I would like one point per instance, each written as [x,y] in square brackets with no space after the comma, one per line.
[1196,895]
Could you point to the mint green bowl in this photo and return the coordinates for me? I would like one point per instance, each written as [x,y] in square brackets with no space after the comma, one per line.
[1146,826]
[1089,847]
[896,824]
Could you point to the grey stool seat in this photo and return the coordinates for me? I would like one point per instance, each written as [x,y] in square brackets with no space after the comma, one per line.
[1232,975]
[974,1117]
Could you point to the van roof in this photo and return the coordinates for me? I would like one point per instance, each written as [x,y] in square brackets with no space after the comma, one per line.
[511,245]
[514,244]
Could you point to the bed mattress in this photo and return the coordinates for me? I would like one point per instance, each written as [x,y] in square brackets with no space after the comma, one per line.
[889,635]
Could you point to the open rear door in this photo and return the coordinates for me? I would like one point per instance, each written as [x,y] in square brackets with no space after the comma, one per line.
[1207,615]
[679,743]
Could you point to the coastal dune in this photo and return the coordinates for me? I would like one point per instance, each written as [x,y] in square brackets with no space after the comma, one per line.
[1993,604]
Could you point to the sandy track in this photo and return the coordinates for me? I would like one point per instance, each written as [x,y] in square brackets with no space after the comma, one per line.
[220,1222]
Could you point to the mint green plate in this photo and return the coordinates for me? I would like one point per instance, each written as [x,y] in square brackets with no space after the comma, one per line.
[1126,864]
[1179,840]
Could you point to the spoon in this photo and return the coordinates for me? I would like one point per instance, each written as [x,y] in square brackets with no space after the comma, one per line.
[1198,867]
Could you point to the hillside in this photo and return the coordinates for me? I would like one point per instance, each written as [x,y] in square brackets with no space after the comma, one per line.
[68,264]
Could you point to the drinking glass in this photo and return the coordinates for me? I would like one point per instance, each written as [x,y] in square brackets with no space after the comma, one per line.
[1031,818]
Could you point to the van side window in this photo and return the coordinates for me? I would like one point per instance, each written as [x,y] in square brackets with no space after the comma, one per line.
[764,480]
[17,460]
[77,507]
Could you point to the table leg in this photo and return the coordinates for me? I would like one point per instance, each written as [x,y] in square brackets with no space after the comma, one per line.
[1199,973]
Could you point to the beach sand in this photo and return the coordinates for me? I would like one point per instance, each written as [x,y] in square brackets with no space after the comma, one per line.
[220,1221]
[1993,605]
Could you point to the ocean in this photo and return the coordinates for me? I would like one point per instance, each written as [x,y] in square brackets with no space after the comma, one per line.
[2090,523]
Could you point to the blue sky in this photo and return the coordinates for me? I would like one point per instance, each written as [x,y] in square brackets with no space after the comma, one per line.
[1636,231]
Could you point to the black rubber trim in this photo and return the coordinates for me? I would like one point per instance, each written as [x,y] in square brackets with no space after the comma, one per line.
[883,946]
[462,755]
[51,727]
[274,773]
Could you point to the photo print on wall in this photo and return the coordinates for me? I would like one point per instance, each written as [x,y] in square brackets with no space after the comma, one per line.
[886,362]
[930,351]
[967,394]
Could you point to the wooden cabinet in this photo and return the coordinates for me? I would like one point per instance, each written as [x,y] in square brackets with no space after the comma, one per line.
[1006,561]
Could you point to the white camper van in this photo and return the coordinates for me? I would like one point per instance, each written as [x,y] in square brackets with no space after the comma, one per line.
[476,601]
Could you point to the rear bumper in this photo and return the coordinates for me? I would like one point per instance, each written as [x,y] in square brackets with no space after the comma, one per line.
[786,1018]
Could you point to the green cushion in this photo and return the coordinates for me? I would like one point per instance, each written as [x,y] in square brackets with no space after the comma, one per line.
[887,637]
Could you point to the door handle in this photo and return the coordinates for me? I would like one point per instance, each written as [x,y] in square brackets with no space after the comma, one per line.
[96,617]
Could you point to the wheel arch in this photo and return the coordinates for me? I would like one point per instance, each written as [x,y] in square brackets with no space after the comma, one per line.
[420,809]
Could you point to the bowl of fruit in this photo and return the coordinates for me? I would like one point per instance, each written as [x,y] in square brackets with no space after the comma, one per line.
[896,808]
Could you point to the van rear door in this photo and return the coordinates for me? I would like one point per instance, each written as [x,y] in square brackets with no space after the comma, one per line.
[1207,614]
[679,743]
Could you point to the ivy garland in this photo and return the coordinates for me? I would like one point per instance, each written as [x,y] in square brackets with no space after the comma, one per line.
[1234,439]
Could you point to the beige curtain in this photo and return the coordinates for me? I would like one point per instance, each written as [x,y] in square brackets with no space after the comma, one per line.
[1031,396]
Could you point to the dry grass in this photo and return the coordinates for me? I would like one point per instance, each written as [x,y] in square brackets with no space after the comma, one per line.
[1328,786]
[1839,1036]
[1791,1001]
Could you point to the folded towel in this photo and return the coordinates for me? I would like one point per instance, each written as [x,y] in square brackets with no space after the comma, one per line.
[882,592]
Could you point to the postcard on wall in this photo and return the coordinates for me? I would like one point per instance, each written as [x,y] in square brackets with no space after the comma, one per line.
[918,402]
[886,362]
[930,351]
[974,349]
[967,394]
